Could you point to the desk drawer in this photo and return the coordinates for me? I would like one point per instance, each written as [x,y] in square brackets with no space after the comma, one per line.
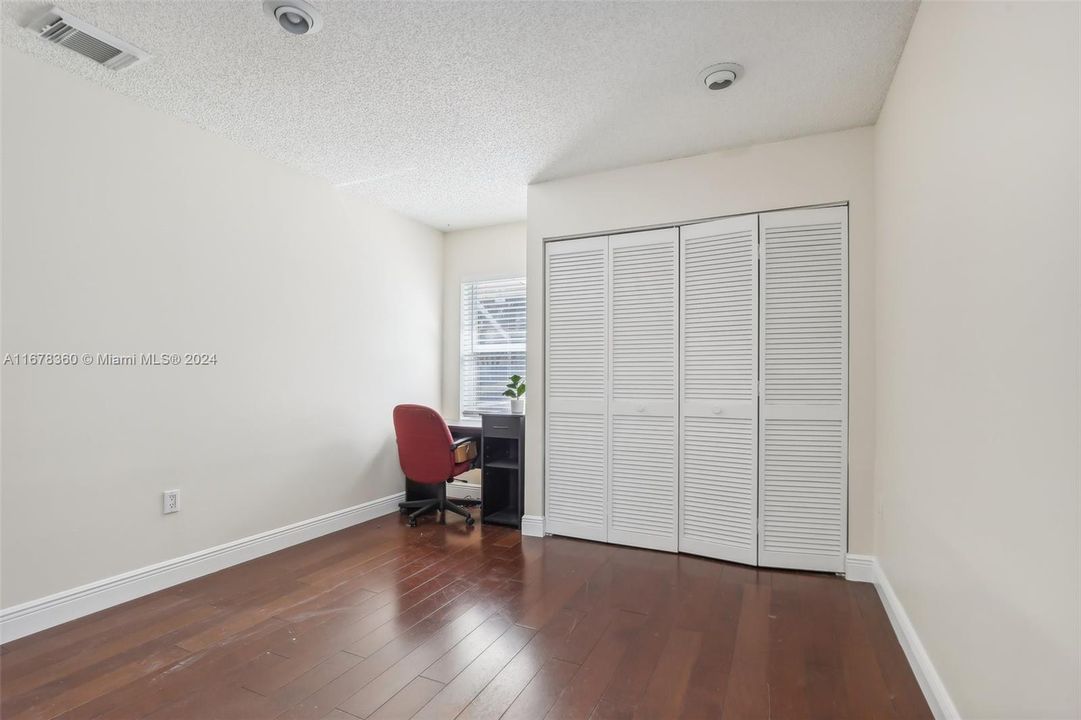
[503,426]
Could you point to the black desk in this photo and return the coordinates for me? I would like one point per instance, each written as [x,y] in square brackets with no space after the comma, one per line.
[465,427]
[501,460]
[503,456]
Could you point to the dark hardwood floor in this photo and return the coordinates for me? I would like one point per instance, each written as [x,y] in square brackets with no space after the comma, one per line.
[384,621]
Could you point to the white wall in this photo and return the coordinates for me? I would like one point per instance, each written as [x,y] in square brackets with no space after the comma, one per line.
[979,327]
[481,253]
[819,169]
[126,231]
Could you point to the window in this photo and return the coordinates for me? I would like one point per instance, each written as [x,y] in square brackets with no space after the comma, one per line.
[493,342]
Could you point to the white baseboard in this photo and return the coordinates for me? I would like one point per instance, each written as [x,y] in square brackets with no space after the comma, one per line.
[36,615]
[533,525]
[866,568]
[860,568]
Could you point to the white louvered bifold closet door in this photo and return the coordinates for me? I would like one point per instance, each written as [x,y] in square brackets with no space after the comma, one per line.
[719,407]
[804,372]
[643,343]
[576,391]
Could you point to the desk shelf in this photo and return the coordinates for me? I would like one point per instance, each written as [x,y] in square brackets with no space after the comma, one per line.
[509,518]
[503,469]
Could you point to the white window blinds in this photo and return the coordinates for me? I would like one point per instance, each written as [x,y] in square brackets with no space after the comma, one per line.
[493,342]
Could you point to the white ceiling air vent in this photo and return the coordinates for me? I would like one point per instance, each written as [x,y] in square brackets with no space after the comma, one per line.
[63,28]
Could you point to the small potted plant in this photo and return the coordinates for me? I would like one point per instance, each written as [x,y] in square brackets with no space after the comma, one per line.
[515,390]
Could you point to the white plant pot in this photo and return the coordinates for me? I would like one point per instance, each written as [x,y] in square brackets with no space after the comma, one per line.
[517,406]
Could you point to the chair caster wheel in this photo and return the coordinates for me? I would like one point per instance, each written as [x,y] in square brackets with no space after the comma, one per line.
[412,522]
[470,521]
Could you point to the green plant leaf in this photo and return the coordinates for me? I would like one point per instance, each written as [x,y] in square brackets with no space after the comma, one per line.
[509,393]
[515,378]
[521,390]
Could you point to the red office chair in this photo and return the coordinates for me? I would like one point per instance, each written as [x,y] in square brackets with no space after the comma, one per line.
[426,454]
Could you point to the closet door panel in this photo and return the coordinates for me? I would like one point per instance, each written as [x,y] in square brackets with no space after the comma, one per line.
[719,335]
[643,487]
[576,364]
[804,371]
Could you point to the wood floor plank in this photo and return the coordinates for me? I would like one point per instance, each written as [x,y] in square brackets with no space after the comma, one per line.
[192,673]
[631,678]
[664,694]
[247,617]
[345,686]
[461,691]
[385,621]
[55,698]
[597,604]
[483,614]
[458,657]
[748,691]
[408,700]
[823,690]
[556,582]
[588,684]
[708,687]
[95,653]
[217,703]
[788,648]
[311,681]
[904,689]
[336,714]
[306,650]
[639,579]
[867,693]
[369,644]
[505,687]
[542,691]
[29,654]
[365,618]
[368,699]
[359,562]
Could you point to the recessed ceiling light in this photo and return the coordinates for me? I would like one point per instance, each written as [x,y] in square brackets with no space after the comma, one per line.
[720,76]
[295,16]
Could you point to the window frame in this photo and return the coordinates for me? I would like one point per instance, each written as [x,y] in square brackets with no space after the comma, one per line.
[467,403]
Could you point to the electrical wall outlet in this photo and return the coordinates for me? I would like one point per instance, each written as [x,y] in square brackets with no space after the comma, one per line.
[170,501]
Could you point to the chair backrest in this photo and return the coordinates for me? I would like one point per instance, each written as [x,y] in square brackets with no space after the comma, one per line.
[424,444]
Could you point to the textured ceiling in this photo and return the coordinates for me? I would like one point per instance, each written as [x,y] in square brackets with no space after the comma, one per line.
[447,110]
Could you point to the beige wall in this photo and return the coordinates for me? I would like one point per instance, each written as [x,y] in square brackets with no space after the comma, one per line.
[126,231]
[978,327]
[819,169]
[496,251]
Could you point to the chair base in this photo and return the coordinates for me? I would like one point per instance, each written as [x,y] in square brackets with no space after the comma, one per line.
[440,504]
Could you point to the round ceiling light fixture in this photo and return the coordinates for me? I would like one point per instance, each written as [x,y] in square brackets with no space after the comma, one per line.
[295,16]
[721,75]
